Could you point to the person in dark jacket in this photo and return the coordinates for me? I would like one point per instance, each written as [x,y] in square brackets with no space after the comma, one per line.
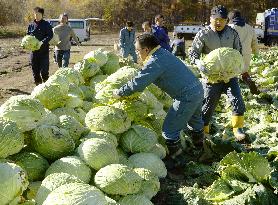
[42,30]
[178,46]
[127,40]
[173,77]
[161,33]
[218,34]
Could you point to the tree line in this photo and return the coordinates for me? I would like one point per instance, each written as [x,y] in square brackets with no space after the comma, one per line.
[117,12]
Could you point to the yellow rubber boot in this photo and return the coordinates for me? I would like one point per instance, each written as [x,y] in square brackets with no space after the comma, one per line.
[237,123]
[206,129]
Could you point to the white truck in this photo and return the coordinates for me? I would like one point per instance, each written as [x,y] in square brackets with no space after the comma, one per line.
[266,27]
[188,29]
[81,27]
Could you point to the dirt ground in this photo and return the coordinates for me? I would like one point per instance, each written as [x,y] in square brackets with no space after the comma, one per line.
[15,71]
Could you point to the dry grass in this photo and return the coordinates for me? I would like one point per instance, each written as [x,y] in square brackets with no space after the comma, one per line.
[11,31]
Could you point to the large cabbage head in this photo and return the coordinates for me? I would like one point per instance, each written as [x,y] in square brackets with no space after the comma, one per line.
[11,139]
[118,179]
[30,43]
[121,76]
[150,184]
[33,163]
[75,128]
[99,56]
[108,137]
[87,69]
[72,75]
[135,199]
[135,108]
[223,64]
[77,113]
[138,139]
[112,64]
[13,182]
[98,153]
[72,165]
[109,119]
[53,93]
[52,182]
[148,161]
[25,111]
[52,142]
[76,194]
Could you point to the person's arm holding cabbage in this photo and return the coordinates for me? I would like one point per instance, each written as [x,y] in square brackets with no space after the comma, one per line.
[195,53]
[145,77]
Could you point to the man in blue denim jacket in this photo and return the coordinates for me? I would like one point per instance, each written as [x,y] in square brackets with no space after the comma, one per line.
[217,35]
[160,32]
[167,72]
[127,40]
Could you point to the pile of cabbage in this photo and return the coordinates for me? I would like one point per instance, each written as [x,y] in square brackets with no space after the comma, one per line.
[70,142]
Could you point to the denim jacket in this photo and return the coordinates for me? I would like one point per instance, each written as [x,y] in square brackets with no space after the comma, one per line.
[127,38]
[167,72]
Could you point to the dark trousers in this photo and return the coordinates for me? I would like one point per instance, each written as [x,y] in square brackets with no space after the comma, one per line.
[40,66]
[212,96]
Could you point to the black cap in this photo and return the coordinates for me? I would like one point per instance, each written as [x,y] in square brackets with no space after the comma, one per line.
[219,12]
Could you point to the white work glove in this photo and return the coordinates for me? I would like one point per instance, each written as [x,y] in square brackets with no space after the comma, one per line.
[201,66]
[40,44]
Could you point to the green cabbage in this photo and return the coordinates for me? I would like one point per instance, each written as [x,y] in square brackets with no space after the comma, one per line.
[25,111]
[13,182]
[72,165]
[107,119]
[52,182]
[223,64]
[87,69]
[123,157]
[150,184]
[52,142]
[75,128]
[108,137]
[77,113]
[118,179]
[135,199]
[112,64]
[71,75]
[33,163]
[11,139]
[148,161]
[138,139]
[32,190]
[76,194]
[53,93]
[98,56]
[30,43]
[98,153]
[158,150]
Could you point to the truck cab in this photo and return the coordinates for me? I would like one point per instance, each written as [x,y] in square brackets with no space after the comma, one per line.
[188,29]
[267,22]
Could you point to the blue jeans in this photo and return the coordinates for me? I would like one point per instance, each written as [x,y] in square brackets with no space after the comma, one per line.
[185,112]
[213,93]
[129,51]
[62,58]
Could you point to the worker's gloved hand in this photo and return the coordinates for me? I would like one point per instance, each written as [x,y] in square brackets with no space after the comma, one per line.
[40,44]
[201,66]
[251,84]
